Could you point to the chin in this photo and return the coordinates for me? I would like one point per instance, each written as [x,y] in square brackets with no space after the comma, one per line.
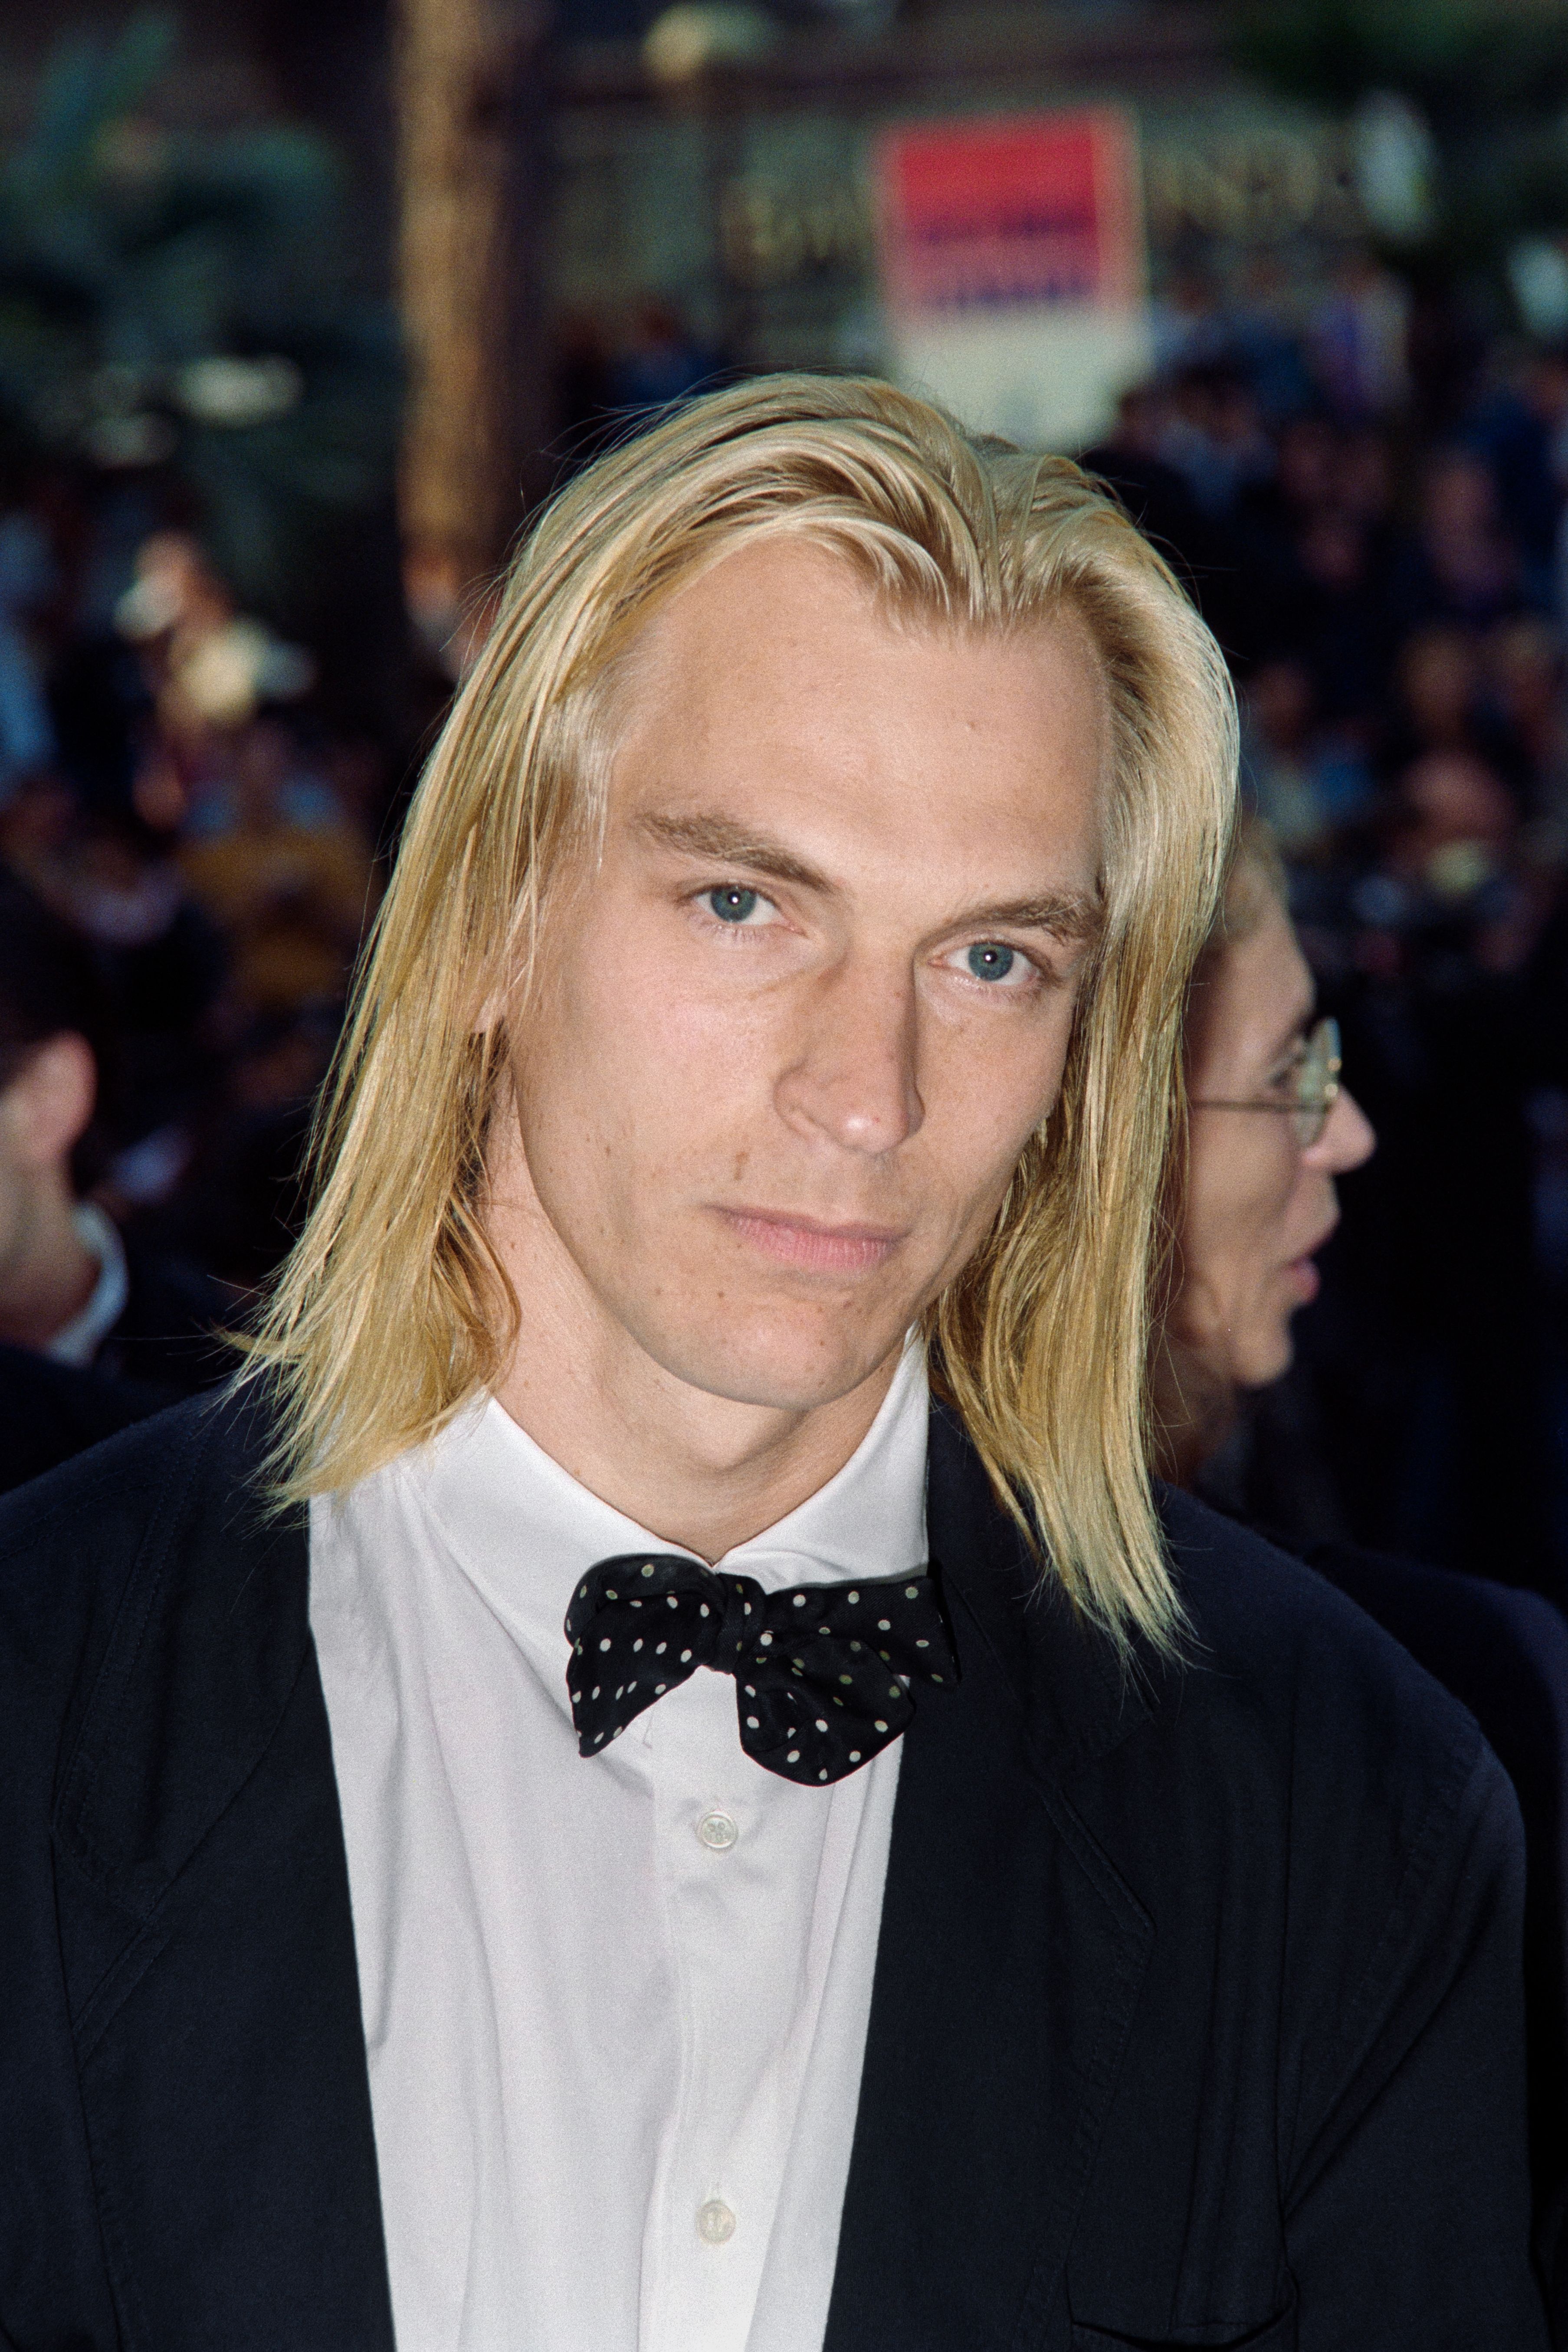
[790,1360]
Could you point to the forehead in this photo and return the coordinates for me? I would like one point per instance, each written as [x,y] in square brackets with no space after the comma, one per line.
[780,684]
[1259,997]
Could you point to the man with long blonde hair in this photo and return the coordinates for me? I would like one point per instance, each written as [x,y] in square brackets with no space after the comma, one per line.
[658,1778]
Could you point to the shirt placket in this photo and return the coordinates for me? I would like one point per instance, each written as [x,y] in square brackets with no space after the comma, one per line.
[738,1877]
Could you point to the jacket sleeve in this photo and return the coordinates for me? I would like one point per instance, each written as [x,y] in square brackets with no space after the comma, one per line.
[1406,2185]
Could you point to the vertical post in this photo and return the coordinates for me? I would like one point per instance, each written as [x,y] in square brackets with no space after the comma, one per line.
[468,126]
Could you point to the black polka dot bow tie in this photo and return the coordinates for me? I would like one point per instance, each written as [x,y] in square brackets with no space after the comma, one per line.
[822,1671]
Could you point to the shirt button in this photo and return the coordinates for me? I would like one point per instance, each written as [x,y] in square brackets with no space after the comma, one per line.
[715,2222]
[718,1834]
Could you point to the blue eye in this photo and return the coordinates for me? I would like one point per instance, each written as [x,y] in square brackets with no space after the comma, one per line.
[987,961]
[731,904]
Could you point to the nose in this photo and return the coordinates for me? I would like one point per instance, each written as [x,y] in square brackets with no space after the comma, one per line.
[853,1079]
[1347,1137]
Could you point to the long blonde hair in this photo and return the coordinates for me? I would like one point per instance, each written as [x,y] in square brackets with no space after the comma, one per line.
[393,1310]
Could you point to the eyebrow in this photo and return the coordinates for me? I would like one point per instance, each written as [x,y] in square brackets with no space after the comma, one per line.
[1300,1030]
[1068,915]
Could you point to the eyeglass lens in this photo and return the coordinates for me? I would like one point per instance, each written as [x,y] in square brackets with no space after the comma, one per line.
[1317,1082]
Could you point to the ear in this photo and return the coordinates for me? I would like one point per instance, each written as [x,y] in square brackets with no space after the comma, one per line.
[51,1099]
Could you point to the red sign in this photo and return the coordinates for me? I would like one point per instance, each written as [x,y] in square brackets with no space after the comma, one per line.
[1032,209]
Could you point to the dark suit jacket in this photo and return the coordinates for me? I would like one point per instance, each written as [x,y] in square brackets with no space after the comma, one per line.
[49,1411]
[1196,2015]
[1504,1653]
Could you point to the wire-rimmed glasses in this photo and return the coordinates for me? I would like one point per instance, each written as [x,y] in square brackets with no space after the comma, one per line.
[1308,1088]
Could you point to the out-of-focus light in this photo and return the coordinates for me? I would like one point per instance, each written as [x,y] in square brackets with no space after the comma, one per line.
[1393,166]
[691,37]
[238,393]
[1538,273]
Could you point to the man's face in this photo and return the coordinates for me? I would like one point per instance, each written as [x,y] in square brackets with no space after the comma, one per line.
[795,1026]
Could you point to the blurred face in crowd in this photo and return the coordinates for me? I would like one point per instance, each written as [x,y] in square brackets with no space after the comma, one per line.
[800,1018]
[1259,1205]
[45,1106]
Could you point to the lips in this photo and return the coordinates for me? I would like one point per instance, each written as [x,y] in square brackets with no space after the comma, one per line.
[816,1248]
[1300,1270]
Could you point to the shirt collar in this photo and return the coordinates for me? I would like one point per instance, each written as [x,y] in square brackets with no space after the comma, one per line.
[78,1342]
[524,1531]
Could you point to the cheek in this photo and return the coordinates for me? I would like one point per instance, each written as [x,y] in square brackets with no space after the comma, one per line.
[626,1062]
[987,1086]
[1240,1187]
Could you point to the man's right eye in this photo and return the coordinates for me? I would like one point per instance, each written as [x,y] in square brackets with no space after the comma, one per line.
[731,904]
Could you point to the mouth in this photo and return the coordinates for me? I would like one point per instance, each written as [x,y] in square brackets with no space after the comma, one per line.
[1301,1270]
[817,1248]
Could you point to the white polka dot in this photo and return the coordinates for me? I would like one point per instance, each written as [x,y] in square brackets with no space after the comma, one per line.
[752,1724]
[605,1645]
[884,1625]
[821,1725]
[800,1601]
[911,1593]
[686,1657]
[854,1756]
[881,1724]
[793,1755]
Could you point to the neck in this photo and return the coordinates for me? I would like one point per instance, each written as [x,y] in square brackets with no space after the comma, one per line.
[49,1274]
[1194,1411]
[702,1473]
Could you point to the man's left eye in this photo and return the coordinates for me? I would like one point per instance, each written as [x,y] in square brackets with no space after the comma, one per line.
[988,959]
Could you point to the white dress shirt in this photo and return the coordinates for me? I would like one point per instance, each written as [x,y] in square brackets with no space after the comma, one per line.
[615,2007]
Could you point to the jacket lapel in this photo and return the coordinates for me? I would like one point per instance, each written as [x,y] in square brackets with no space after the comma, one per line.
[208,1945]
[1008,1967]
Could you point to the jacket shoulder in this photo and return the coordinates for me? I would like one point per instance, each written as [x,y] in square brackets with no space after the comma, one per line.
[84,1520]
[1264,1622]
[154,1615]
[1375,1779]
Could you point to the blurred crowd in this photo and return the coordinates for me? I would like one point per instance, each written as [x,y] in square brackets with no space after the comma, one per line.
[190,851]
[1370,504]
